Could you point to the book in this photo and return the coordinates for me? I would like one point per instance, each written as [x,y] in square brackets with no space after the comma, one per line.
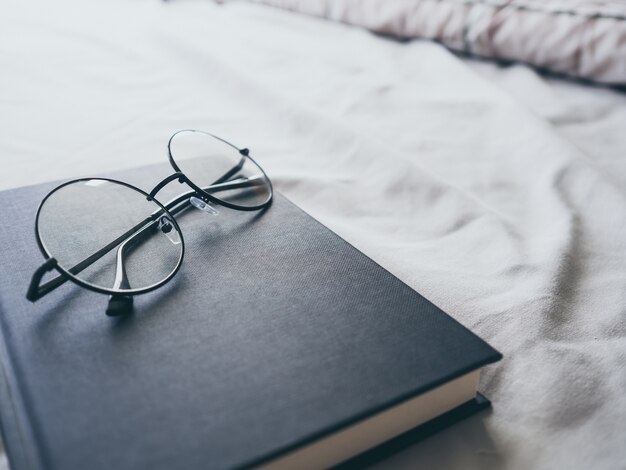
[277,345]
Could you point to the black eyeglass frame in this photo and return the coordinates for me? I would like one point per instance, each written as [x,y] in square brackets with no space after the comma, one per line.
[121,302]
[245,153]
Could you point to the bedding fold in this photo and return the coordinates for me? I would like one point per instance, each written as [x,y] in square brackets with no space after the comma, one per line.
[483,205]
[581,38]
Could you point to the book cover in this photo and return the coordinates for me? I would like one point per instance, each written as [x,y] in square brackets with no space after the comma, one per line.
[274,333]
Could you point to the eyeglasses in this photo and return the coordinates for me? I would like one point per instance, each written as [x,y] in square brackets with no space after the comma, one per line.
[113,238]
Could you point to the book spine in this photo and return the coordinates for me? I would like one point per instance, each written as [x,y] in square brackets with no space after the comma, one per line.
[17,435]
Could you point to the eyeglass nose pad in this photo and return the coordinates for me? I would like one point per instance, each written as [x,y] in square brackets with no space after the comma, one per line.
[166,227]
[203,206]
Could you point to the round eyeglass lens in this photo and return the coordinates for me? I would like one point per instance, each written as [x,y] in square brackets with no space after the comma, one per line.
[109,236]
[220,169]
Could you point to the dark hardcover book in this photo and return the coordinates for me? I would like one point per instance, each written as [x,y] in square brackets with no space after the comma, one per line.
[277,345]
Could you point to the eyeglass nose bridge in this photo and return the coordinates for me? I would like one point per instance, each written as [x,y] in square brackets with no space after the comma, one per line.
[180,176]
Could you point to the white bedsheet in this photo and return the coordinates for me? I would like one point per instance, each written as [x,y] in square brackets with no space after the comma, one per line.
[499,196]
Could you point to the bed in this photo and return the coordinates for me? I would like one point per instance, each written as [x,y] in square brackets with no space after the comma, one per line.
[497,193]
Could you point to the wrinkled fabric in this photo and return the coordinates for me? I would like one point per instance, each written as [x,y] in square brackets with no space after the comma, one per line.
[581,38]
[498,196]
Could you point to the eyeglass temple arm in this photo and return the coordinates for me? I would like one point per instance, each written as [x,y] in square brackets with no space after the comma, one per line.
[120,304]
[37,291]
[235,169]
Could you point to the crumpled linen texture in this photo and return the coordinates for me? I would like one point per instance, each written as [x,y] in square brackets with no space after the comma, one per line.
[498,196]
[580,38]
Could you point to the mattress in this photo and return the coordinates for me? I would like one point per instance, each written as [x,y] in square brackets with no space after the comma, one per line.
[496,193]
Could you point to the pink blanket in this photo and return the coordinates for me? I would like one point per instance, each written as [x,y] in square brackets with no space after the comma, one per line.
[581,38]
